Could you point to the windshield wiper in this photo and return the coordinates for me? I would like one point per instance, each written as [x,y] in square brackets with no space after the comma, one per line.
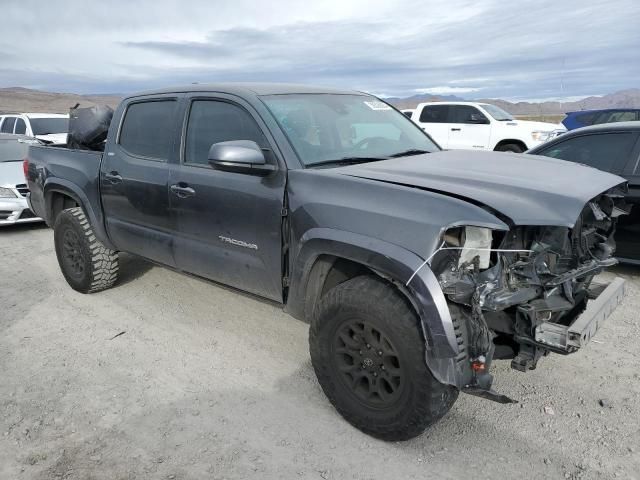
[408,153]
[347,161]
[506,120]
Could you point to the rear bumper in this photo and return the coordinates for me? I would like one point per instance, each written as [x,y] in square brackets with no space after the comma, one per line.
[568,339]
[16,210]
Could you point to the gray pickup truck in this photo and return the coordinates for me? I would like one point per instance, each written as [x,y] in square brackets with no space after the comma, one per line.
[414,267]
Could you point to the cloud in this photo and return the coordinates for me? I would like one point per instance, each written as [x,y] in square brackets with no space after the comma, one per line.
[462,47]
[445,90]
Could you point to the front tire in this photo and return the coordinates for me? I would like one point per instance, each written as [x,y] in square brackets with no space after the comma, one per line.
[87,265]
[368,353]
[510,147]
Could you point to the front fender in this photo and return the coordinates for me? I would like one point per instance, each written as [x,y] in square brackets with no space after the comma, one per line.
[394,263]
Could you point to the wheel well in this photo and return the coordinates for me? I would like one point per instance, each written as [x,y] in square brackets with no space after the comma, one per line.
[59,202]
[520,143]
[341,271]
[329,271]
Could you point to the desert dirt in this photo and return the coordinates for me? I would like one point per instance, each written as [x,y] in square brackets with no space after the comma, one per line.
[169,377]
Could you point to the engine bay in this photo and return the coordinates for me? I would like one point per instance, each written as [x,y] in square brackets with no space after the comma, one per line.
[516,294]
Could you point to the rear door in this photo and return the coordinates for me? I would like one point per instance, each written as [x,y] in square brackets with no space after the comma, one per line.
[229,224]
[469,128]
[433,120]
[134,178]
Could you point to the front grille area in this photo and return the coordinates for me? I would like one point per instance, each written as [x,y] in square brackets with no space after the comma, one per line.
[4,214]
[22,189]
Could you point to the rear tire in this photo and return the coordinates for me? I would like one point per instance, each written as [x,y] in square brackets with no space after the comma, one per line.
[368,352]
[87,265]
[510,147]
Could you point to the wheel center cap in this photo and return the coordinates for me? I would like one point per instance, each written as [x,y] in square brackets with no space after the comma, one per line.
[367,362]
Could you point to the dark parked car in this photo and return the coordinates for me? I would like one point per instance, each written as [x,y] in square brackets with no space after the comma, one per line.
[415,267]
[585,118]
[614,148]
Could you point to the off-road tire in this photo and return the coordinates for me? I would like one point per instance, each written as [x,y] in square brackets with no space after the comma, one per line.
[510,147]
[420,402]
[87,265]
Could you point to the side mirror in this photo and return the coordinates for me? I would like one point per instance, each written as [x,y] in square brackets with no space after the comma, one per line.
[479,119]
[239,156]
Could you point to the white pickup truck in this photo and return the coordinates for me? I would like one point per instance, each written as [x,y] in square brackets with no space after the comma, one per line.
[49,127]
[481,126]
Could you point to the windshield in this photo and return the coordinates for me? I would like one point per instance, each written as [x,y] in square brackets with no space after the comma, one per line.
[497,113]
[12,150]
[327,127]
[46,126]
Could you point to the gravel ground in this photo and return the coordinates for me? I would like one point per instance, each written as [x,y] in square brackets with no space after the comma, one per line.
[169,377]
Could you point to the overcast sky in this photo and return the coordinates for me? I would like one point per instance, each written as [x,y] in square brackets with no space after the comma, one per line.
[519,50]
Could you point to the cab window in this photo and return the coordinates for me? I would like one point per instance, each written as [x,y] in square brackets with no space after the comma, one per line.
[434,114]
[147,129]
[604,151]
[213,121]
[7,125]
[21,127]
[467,114]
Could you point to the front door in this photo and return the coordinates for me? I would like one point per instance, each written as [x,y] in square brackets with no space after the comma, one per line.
[469,128]
[228,224]
[134,176]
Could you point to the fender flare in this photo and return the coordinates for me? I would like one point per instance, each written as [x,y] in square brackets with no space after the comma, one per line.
[388,260]
[60,185]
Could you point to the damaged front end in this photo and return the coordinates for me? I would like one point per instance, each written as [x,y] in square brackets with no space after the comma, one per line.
[523,293]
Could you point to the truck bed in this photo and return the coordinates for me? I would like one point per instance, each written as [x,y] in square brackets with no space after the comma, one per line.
[60,169]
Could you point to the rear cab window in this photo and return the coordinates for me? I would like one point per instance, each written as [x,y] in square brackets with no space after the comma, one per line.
[148,128]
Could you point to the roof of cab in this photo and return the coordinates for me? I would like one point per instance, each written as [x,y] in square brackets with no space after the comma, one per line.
[248,89]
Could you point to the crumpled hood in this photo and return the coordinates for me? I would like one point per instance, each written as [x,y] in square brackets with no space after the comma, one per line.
[529,190]
[11,174]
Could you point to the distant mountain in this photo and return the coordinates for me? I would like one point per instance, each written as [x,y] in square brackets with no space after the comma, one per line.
[411,102]
[623,99]
[19,99]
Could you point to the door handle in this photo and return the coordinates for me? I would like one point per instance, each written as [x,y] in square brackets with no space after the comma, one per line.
[113,177]
[182,192]
[455,129]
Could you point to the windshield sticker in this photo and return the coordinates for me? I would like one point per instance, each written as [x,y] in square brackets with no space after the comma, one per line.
[377,105]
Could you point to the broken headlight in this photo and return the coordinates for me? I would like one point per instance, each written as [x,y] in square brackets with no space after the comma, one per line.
[472,242]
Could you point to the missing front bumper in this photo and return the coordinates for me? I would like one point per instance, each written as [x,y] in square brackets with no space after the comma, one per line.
[568,339]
